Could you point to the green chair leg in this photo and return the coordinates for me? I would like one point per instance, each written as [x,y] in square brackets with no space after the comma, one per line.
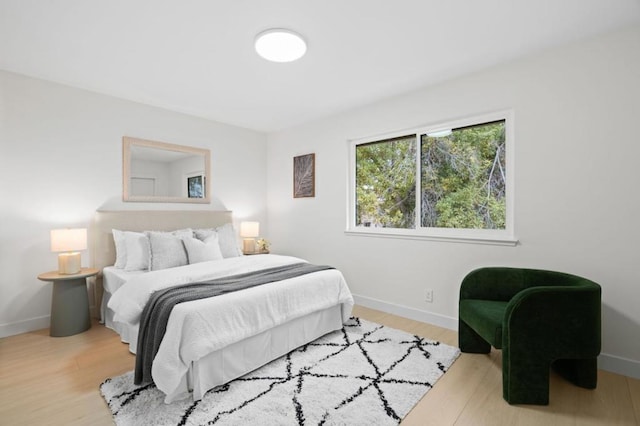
[580,372]
[470,342]
[525,381]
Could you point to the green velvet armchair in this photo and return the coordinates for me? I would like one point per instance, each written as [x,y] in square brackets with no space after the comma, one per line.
[540,319]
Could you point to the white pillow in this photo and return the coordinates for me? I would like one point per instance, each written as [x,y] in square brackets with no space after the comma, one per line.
[121,248]
[203,234]
[137,251]
[226,239]
[203,251]
[167,249]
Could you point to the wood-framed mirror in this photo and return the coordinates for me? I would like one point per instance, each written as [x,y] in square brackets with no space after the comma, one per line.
[159,172]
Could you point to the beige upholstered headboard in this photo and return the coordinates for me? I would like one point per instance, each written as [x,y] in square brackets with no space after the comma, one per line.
[103,252]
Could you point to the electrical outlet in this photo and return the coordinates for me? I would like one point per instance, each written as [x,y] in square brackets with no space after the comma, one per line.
[428,296]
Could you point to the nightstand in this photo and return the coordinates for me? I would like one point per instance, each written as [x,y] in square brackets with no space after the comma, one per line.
[69,302]
[249,253]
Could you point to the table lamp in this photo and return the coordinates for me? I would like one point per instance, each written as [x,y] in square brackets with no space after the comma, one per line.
[68,242]
[249,231]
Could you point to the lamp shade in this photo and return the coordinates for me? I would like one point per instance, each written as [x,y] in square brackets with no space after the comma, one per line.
[68,239]
[249,229]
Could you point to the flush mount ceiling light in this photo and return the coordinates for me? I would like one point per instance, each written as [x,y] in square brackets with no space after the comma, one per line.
[280,45]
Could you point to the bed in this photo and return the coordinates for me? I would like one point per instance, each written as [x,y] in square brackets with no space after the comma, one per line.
[212,341]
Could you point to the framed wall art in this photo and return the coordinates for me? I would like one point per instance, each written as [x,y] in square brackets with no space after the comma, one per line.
[304,176]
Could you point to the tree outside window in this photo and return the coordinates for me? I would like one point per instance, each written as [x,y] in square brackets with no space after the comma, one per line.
[463,178]
[457,179]
[386,183]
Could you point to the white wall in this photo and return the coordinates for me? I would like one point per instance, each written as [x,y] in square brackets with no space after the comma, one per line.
[61,159]
[576,182]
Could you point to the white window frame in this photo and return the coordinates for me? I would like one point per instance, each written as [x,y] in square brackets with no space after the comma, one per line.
[482,236]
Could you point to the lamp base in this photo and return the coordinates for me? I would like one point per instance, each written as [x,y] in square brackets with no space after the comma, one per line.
[69,263]
[248,245]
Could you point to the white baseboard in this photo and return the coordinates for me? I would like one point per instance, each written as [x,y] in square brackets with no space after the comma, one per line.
[406,312]
[24,326]
[619,365]
[612,363]
[33,324]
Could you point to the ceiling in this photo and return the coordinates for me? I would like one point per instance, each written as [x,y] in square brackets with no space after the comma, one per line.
[197,56]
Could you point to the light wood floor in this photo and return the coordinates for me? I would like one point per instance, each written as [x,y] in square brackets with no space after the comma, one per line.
[54,381]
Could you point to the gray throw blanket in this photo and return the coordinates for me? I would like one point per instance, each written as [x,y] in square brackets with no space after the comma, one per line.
[153,322]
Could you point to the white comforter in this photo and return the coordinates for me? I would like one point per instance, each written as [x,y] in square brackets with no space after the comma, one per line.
[200,327]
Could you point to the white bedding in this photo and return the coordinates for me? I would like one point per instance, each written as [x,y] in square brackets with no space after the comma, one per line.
[114,278]
[200,327]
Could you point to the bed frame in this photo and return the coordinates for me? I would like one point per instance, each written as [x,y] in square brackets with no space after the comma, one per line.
[231,361]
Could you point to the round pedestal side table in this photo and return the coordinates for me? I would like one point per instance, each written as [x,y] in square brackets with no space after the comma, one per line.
[69,302]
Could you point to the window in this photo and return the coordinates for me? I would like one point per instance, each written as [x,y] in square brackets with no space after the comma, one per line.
[386,183]
[449,181]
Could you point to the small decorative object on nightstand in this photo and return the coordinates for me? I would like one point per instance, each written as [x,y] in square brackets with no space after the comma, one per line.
[263,246]
[69,302]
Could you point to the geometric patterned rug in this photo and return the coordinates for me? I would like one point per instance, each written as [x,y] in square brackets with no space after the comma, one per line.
[364,374]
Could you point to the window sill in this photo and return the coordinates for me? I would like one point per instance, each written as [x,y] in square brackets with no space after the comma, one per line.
[412,235]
